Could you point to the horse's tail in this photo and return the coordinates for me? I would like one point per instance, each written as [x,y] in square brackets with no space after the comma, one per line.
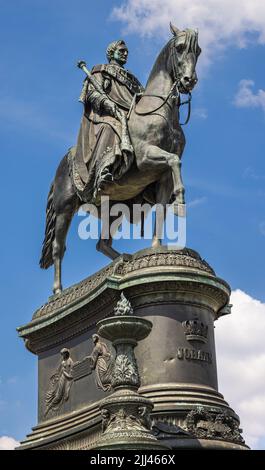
[46,256]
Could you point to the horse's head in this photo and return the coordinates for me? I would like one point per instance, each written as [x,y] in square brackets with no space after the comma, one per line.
[185,51]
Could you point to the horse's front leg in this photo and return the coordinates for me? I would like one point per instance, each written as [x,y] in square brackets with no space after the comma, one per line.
[156,158]
[164,189]
[104,245]
[175,163]
[178,187]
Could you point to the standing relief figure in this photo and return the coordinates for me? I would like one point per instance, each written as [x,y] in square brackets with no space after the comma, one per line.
[68,371]
[102,362]
[60,383]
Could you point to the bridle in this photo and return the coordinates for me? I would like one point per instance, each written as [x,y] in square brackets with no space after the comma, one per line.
[174,90]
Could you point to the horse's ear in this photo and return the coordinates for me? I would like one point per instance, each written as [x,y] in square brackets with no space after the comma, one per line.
[174,30]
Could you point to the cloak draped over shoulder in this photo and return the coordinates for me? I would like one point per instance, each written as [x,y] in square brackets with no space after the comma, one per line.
[98,150]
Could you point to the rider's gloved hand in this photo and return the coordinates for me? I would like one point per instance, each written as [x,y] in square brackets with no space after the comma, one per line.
[111,108]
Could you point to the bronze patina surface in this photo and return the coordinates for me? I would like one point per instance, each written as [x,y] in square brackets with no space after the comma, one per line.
[126,357]
[179,293]
[129,146]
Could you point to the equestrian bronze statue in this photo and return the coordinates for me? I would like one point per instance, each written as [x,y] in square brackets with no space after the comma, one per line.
[130,142]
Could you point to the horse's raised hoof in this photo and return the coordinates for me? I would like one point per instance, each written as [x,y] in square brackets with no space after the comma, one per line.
[105,180]
[178,197]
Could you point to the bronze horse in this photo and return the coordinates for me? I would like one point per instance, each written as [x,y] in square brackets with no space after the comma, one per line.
[158,142]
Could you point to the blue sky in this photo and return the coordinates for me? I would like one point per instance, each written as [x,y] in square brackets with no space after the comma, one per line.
[223,163]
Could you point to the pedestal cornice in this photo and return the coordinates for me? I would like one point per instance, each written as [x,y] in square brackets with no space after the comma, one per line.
[182,274]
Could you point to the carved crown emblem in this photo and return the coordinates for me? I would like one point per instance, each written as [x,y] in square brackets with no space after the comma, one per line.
[195,330]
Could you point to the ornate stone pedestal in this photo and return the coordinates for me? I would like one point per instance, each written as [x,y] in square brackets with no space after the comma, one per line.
[180,294]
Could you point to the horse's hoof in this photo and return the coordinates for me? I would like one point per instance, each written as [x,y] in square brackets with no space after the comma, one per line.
[156,243]
[179,210]
[182,210]
[178,198]
[57,290]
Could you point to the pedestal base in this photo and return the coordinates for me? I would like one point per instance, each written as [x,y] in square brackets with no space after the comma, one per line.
[182,297]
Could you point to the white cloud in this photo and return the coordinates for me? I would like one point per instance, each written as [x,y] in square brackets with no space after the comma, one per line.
[251,173]
[3,404]
[262,227]
[221,23]
[12,380]
[246,98]
[241,363]
[16,113]
[8,443]
[197,202]
[200,113]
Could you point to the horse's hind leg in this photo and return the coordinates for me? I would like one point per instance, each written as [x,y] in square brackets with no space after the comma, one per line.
[62,224]
[66,203]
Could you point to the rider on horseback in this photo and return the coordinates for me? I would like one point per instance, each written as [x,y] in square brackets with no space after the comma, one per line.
[104,152]
[145,159]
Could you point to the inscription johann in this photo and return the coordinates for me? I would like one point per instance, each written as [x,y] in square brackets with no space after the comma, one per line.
[194,355]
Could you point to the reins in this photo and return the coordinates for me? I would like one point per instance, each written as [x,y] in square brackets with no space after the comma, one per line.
[188,102]
[174,87]
[165,100]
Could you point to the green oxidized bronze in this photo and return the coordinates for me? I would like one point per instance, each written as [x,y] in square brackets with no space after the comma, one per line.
[126,422]
[129,146]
